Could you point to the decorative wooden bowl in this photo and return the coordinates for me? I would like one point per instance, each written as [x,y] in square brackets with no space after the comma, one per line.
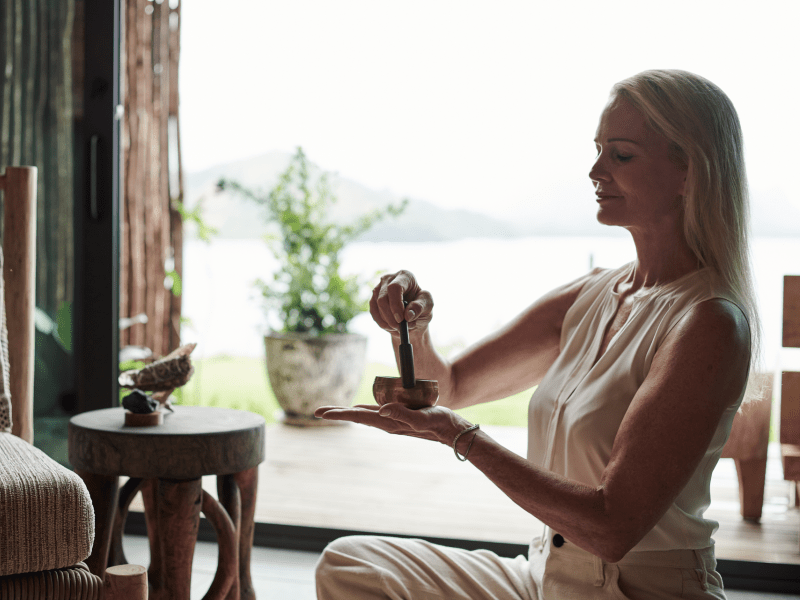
[143,419]
[390,389]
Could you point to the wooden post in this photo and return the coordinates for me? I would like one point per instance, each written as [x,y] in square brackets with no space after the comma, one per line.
[151,229]
[19,249]
[176,177]
[125,582]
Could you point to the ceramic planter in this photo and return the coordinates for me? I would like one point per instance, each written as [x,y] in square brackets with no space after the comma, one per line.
[308,371]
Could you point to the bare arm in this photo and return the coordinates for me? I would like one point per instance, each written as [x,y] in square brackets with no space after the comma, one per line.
[698,372]
[509,361]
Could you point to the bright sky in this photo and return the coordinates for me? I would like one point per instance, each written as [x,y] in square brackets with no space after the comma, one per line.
[483,105]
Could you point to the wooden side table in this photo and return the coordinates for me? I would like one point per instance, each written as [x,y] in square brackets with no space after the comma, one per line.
[166,462]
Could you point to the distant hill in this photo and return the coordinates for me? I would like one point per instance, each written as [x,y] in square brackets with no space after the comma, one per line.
[569,211]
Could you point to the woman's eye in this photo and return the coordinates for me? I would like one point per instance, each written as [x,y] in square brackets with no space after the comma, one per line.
[623,157]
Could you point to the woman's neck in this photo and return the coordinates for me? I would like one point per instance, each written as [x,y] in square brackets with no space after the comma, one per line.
[660,260]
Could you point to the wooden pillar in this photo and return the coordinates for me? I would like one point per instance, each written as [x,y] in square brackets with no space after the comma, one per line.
[19,272]
[175,164]
[152,226]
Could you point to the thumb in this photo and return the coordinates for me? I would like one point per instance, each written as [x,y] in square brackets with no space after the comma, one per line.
[421,306]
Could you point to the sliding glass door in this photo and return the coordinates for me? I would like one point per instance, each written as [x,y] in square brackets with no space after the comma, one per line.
[57,112]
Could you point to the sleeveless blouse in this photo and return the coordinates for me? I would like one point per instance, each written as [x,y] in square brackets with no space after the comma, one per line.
[576,410]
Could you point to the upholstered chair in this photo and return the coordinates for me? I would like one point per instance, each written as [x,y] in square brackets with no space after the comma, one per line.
[46,516]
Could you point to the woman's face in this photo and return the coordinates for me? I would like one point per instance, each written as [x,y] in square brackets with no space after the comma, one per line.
[638,185]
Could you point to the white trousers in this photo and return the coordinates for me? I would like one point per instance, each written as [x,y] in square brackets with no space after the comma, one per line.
[368,567]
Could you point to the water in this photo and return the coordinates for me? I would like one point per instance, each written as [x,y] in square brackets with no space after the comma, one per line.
[477,285]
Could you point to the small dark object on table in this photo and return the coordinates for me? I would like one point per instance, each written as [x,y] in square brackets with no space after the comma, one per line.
[139,403]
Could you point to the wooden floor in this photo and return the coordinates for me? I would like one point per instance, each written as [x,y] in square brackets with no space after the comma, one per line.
[353,477]
[289,574]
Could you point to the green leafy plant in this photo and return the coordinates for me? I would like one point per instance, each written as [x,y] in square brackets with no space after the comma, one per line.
[204,231]
[308,290]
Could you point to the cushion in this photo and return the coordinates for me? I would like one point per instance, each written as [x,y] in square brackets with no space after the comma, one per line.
[46,514]
[71,582]
[5,397]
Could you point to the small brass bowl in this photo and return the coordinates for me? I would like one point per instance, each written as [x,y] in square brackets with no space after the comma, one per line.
[390,389]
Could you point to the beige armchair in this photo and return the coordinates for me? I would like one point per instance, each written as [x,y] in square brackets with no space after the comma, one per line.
[46,516]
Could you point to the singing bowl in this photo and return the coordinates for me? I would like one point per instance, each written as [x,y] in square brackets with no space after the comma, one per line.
[390,389]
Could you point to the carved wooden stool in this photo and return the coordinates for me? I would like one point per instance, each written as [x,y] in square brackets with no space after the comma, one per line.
[165,462]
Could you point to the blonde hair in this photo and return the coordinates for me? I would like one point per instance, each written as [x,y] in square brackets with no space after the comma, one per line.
[703,129]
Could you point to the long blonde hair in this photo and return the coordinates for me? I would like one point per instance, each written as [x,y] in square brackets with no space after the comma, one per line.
[700,122]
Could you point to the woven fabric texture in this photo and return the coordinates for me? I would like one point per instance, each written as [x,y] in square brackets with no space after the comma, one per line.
[5,395]
[46,514]
[73,582]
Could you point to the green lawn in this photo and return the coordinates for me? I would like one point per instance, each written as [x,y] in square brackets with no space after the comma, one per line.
[241,383]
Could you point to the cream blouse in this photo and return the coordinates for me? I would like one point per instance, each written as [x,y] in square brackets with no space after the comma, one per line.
[576,410]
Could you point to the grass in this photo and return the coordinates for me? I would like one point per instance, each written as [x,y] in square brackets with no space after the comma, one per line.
[241,383]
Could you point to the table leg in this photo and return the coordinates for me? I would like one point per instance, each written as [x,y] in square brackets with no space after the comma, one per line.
[149,489]
[248,489]
[228,561]
[116,553]
[230,498]
[178,506]
[104,490]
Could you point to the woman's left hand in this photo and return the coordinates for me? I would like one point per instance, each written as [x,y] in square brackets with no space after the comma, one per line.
[435,423]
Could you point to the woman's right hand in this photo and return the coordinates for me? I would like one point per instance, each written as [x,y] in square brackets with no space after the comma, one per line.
[386,304]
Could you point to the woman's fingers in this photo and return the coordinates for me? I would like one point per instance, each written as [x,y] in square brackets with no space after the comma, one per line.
[402,286]
[375,308]
[386,303]
[393,418]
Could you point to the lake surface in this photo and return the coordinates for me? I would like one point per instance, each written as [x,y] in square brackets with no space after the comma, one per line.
[478,285]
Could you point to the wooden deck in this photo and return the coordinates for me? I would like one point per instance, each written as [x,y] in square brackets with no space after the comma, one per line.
[354,477]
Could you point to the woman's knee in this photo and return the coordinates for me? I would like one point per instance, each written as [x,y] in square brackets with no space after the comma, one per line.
[351,546]
[345,565]
[346,552]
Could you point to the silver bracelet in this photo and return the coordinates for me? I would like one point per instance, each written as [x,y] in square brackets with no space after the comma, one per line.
[455,441]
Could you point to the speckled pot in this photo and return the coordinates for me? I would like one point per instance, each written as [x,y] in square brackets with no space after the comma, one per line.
[308,371]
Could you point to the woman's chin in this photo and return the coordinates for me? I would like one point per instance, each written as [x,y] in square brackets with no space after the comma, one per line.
[607,217]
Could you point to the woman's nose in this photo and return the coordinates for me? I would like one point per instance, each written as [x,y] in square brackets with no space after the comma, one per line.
[598,171]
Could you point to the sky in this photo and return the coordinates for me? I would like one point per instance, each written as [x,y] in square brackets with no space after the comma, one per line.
[486,106]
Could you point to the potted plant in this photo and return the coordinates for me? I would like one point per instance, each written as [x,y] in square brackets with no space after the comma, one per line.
[313,360]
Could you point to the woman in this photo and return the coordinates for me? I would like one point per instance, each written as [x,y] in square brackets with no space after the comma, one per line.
[640,371]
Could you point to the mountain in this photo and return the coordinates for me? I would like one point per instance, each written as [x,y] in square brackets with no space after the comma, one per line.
[569,210]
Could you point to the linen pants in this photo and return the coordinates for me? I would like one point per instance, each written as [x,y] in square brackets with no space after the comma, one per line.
[369,567]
